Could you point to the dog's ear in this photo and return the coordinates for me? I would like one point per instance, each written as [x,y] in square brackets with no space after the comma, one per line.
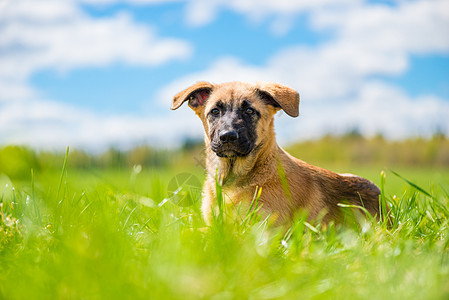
[280,96]
[197,95]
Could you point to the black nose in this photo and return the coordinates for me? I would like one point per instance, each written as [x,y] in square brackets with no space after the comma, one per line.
[229,136]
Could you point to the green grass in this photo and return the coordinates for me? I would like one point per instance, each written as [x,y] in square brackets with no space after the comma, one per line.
[114,234]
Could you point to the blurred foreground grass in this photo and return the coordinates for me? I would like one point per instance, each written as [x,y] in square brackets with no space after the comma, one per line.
[99,232]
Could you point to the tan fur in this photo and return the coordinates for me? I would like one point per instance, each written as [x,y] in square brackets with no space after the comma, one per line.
[306,187]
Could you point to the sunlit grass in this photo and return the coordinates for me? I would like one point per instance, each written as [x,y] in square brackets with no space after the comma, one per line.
[116,235]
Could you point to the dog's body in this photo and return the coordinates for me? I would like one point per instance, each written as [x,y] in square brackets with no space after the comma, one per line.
[242,151]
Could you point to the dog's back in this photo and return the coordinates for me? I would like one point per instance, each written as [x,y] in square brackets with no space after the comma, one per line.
[325,189]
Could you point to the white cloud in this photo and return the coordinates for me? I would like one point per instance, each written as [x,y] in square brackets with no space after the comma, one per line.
[67,39]
[28,10]
[335,79]
[58,35]
[202,12]
[52,125]
[137,2]
[12,90]
[375,108]
[331,71]
[369,41]
[413,26]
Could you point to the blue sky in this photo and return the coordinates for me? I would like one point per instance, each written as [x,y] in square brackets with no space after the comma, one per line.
[95,73]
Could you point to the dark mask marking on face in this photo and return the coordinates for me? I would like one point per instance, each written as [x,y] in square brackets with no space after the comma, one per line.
[233,128]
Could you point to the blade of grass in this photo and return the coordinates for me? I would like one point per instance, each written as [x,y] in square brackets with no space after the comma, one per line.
[33,197]
[417,187]
[283,179]
[255,207]
[256,197]
[385,210]
[220,199]
[368,215]
[127,219]
[64,166]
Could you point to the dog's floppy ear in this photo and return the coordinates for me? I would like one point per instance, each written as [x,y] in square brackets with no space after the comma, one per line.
[197,95]
[280,96]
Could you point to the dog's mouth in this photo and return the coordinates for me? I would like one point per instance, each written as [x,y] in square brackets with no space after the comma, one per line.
[223,150]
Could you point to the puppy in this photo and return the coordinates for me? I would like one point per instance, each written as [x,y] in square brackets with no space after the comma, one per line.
[241,149]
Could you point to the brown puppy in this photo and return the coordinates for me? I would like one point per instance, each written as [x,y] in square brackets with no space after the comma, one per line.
[241,149]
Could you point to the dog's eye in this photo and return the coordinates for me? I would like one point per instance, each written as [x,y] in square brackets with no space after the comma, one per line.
[215,111]
[249,111]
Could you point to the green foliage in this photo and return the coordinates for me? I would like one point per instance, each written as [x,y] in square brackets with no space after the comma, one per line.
[16,162]
[353,149]
[350,150]
[111,158]
[111,226]
[89,234]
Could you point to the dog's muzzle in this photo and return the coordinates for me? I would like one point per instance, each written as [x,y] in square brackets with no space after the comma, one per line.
[230,143]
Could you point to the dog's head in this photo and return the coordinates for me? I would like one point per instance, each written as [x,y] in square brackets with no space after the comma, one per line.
[237,116]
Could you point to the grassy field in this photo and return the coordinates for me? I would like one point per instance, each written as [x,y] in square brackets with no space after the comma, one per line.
[118,233]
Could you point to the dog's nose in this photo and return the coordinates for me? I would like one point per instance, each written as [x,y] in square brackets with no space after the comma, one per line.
[229,136]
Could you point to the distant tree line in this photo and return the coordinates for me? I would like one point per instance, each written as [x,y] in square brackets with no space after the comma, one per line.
[17,161]
[352,148]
